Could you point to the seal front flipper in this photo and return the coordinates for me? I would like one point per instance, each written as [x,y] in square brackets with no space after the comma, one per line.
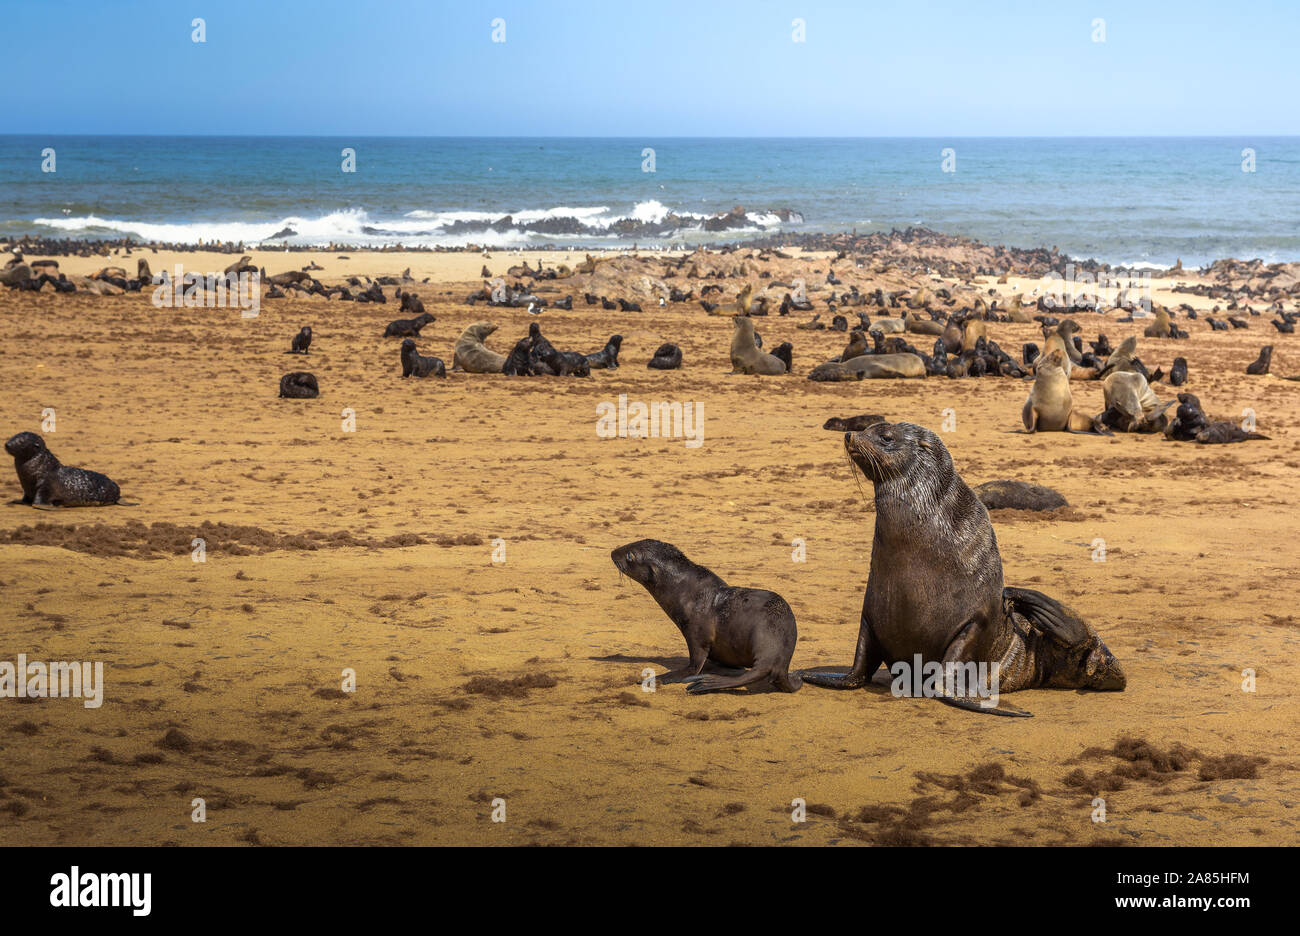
[866,660]
[1048,615]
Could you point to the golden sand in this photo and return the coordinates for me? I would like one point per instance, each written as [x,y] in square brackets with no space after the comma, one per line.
[223,677]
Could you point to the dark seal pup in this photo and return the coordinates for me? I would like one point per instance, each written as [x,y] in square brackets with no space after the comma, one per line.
[935,586]
[47,483]
[607,357]
[408,328]
[299,385]
[415,364]
[736,628]
[668,357]
[301,341]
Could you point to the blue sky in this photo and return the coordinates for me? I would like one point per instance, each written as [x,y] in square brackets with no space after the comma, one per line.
[653,67]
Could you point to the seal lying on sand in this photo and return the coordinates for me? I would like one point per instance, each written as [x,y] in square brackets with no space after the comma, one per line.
[472,355]
[48,483]
[870,365]
[1018,495]
[935,586]
[299,385]
[1191,425]
[737,628]
[667,357]
[746,358]
[417,365]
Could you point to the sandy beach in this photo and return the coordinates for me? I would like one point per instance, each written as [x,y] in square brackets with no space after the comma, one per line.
[453,551]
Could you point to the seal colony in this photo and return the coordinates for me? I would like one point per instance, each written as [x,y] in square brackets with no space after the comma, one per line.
[734,508]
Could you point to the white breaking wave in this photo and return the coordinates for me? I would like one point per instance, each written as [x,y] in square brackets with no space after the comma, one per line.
[417,228]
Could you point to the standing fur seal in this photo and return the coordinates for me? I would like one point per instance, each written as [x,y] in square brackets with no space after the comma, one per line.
[607,357]
[746,358]
[737,628]
[301,341]
[935,587]
[1050,407]
[47,483]
[1262,363]
[299,385]
[472,355]
[415,364]
[408,328]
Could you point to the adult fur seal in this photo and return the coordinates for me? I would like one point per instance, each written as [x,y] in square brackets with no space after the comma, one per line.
[607,357]
[935,587]
[1131,404]
[750,629]
[301,341]
[748,359]
[870,365]
[408,328]
[48,483]
[1050,407]
[740,306]
[472,355]
[299,385]
[417,365]
[667,357]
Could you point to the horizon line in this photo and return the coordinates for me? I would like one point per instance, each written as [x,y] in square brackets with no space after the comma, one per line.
[470,136]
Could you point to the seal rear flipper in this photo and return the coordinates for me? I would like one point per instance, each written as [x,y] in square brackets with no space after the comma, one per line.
[1048,615]
[971,705]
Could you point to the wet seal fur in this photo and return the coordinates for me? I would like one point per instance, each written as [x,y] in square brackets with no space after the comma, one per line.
[746,629]
[935,587]
[48,483]
[299,385]
[417,365]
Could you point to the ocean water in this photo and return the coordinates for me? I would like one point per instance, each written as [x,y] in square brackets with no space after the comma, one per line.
[1121,201]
